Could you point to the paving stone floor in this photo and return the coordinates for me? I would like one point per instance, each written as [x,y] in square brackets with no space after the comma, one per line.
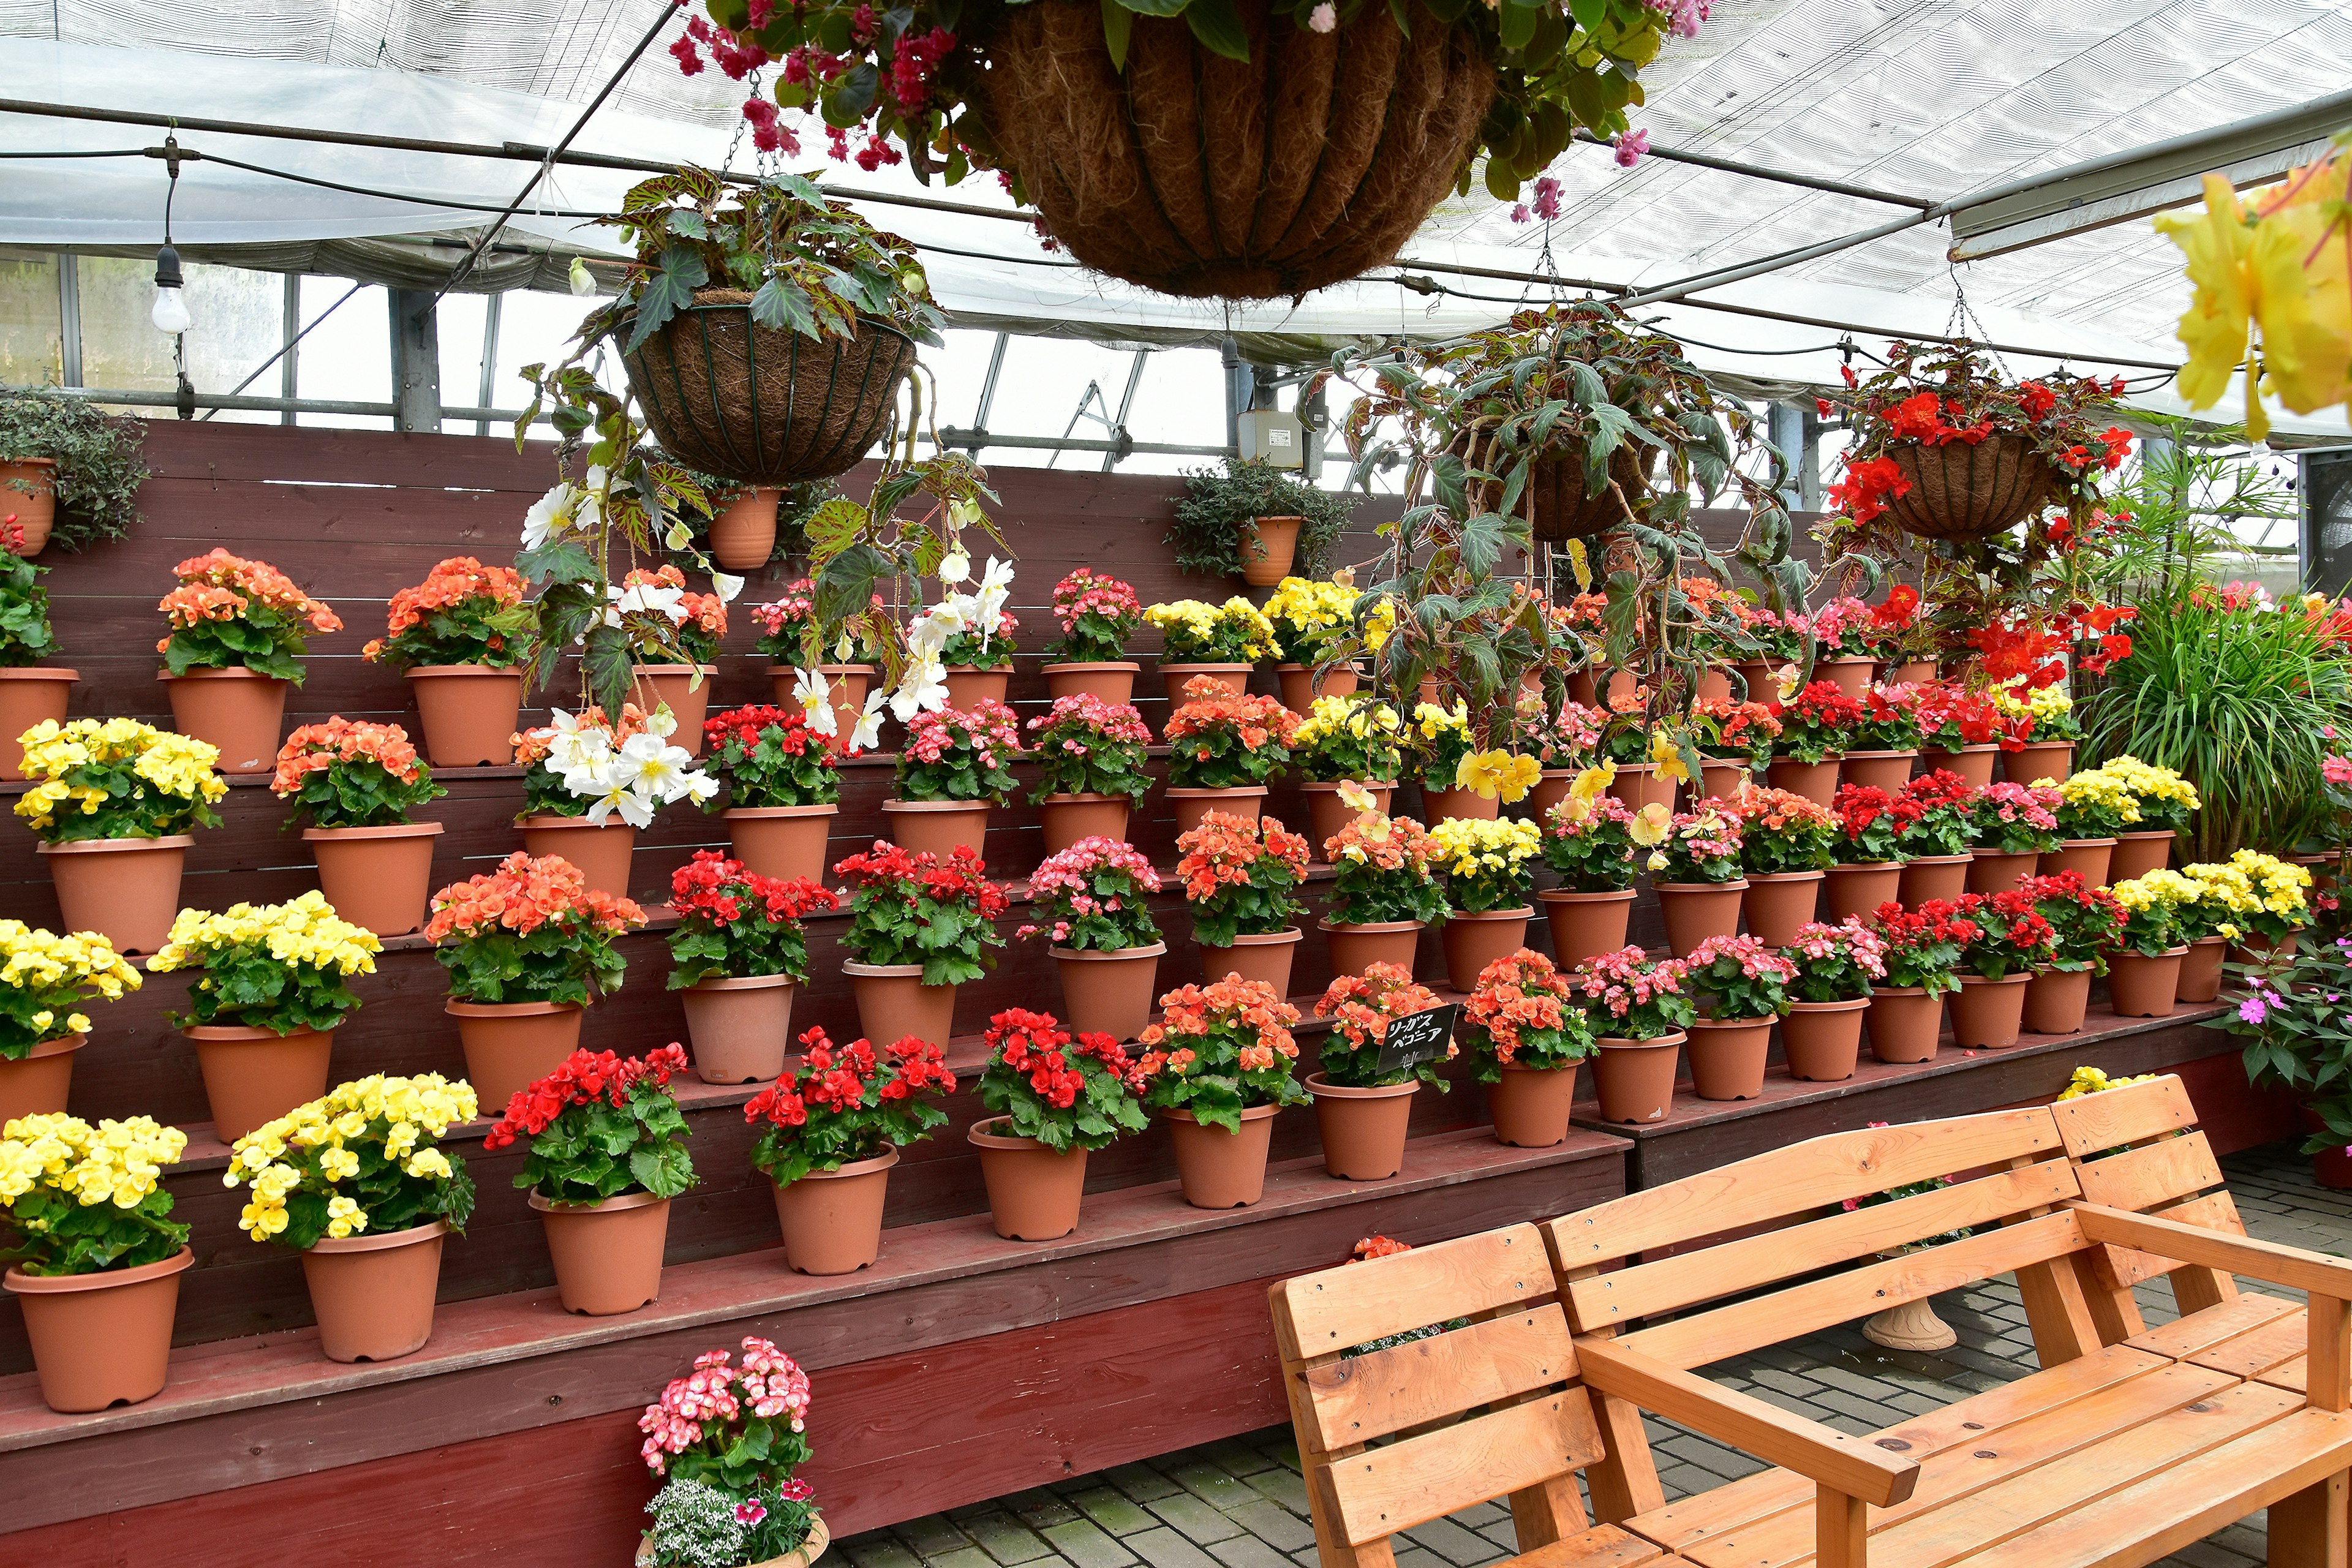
[1239,1503]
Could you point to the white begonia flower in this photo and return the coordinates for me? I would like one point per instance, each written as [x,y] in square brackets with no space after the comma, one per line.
[814,694]
[725,587]
[923,689]
[662,721]
[995,588]
[699,786]
[582,281]
[868,730]
[634,808]
[930,632]
[650,766]
[571,743]
[651,598]
[956,568]
[549,515]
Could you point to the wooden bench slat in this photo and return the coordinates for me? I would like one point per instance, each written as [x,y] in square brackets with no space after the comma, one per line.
[2152,1173]
[2185,1337]
[2215,1211]
[1412,1480]
[1337,1309]
[2255,1351]
[2092,1123]
[1601,1546]
[1358,1398]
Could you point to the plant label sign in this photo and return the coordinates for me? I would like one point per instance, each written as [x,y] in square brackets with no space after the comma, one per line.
[1418,1037]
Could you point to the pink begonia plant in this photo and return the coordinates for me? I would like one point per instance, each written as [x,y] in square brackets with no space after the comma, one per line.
[697,1412]
[1091,897]
[1634,996]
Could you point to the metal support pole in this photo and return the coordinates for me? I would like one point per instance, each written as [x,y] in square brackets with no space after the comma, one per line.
[415,361]
[69,320]
[490,359]
[1312,416]
[988,393]
[1787,433]
[1808,465]
[1239,384]
[289,375]
[1126,402]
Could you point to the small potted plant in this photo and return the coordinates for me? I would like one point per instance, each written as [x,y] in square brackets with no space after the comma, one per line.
[1098,613]
[742,526]
[1923,968]
[1821,1033]
[1899,637]
[978,659]
[1957,730]
[588,787]
[1528,1035]
[45,981]
[604,1152]
[2011,827]
[2258,901]
[1886,740]
[1695,871]
[2092,808]
[1735,743]
[1092,902]
[1221,748]
[1868,868]
[674,638]
[829,1135]
[31,693]
[1817,725]
[2045,713]
[1351,740]
[1254,520]
[1052,1100]
[1741,988]
[738,954]
[1488,866]
[112,801]
[1639,1009]
[96,1256]
[1843,652]
[1361,1108]
[954,766]
[357,783]
[1564,748]
[1385,892]
[1240,877]
[463,638]
[919,926]
[240,630]
[783,789]
[2144,969]
[272,985]
[838,688]
[2220,915]
[1214,642]
[1596,844]
[1217,1067]
[2086,920]
[66,465]
[2011,942]
[2165,802]
[1312,616]
[726,1439]
[526,947]
[1787,844]
[1091,755]
[1938,820]
[354,1182]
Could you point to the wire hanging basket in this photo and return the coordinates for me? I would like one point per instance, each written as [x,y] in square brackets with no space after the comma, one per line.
[1963,491]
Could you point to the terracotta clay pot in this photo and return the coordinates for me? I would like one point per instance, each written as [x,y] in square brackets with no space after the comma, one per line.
[2137,854]
[968,686]
[1067,818]
[1991,871]
[469,713]
[2056,1001]
[832,1220]
[744,530]
[509,1046]
[1362,1130]
[1822,1040]
[1988,1014]
[1531,1105]
[1817,781]
[104,1339]
[28,493]
[1973,764]
[1778,903]
[1889,770]
[602,853]
[1859,890]
[1637,784]
[741,1027]
[241,712]
[1108,993]
[893,1003]
[2039,760]
[1635,1078]
[1714,686]
[847,685]
[255,1076]
[30,697]
[1113,680]
[1727,1056]
[1269,544]
[2088,856]
[1300,688]
[1033,1193]
[1850,676]
[938,827]
[1472,941]
[688,698]
[36,1083]
[1906,1024]
[1933,877]
[1585,924]
[1721,780]
[374,1292]
[1220,1169]
[608,1255]
[780,841]
[376,877]
[1464,805]
[1910,672]
[1233,678]
[1265,958]
[1694,912]
[1192,804]
[1355,947]
[1551,787]
[2143,987]
[1326,813]
[2201,970]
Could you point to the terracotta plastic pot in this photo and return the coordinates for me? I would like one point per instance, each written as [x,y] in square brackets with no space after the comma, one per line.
[1269,544]
[2039,760]
[1991,871]
[376,877]
[1858,889]
[1889,770]
[1637,784]
[938,827]
[1551,787]
[602,853]
[2143,987]
[1108,993]
[509,1046]
[1265,958]
[1694,912]
[1718,780]
[241,712]
[1635,1078]
[374,1292]
[1988,1014]
[968,686]
[1910,672]
[2201,970]
[103,1339]
[1727,1056]
[1362,1128]
[1233,678]
[1355,947]
[893,1003]
[1585,924]
[741,1027]
[1822,1040]
[780,841]
[2056,1001]
[255,1076]
[1973,764]
[1192,804]
[1530,1106]
[1778,903]
[1714,686]
[1033,1193]
[2090,857]
[1933,877]
[29,697]
[832,1220]
[1464,805]
[1300,688]
[36,1083]
[608,1255]
[469,713]
[2137,854]
[1220,1169]
[744,530]
[847,685]
[1906,1024]
[28,492]
[688,698]
[1756,678]
[1850,676]
[1113,680]
[1472,941]
[2256,948]
[1067,818]
[1326,813]
[1817,781]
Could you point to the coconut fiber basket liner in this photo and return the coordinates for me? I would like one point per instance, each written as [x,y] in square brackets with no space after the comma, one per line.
[1959,491]
[1199,175]
[764,407]
[1560,508]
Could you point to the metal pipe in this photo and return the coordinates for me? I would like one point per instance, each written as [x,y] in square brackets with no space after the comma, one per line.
[131,399]
[1777,177]
[952,436]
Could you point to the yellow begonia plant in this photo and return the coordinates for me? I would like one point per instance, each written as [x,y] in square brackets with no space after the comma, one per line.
[46,979]
[357,1159]
[1197,632]
[282,967]
[1486,862]
[116,778]
[84,1199]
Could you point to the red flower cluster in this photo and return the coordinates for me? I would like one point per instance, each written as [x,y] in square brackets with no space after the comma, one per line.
[1824,704]
[1935,924]
[1867,486]
[1941,788]
[585,1078]
[962,879]
[837,1078]
[1898,612]
[748,724]
[713,885]
[1037,1045]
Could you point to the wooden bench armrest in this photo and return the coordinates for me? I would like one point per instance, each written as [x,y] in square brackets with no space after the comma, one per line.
[2311,1272]
[1853,1466]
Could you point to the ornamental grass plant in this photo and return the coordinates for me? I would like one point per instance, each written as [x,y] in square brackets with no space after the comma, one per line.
[765,756]
[1241,877]
[229,612]
[1084,746]
[282,967]
[1523,1012]
[346,774]
[916,908]
[847,1104]
[359,1160]
[1220,1049]
[733,923]
[84,1199]
[1221,740]
[117,778]
[463,613]
[1361,1007]
[532,931]
[598,1127]
[45,981]
[1066,1094]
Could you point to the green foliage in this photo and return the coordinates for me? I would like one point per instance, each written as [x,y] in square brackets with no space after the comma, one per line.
[1591,844]
[907,909]
[246,987]
[769,757]
[1067,1094]
[99,468]
[2296,1021]
[55,1235]
[734,924]
[1365,894]
[25,635]
[1210,531]
[846,1105]
[1106,763]
[570,958]
[361,792]
[595,1150]
[970,755]
[261,638]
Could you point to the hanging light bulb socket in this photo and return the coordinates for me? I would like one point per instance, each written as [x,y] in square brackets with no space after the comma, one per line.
[171,313]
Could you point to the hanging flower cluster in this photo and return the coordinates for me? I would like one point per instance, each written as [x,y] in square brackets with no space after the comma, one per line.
[463,613]
[972,625]
[581,766]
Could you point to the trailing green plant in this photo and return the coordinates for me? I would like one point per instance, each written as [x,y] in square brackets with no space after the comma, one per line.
[99,468]
[26,637]
[1211,533]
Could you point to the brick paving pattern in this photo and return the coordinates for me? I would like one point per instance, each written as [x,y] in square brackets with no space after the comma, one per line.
[1239,1503]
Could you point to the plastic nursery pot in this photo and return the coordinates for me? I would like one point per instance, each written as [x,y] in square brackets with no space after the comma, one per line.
[1327,812]
[1817,781]
[1551,787]
[1906,1024]
[1472,941]
[1108,993]
[101,1339]
[1719,781]
[1991,871]
[1850,676]
[741,1027]
[601,853]
[373,1293]
[2137,854]
[2201,970]
[1355,947]
[1033,1193]
[36,1083]
[1585,924]
[1756,678]
[126,889]
[28,697]
[509,1046]
[1973,764]
[780,841]
[1858,889]
[848,683]
[893,1003]
[1822,1040]
[1463,805]
[469,713]
[1635,1078]
[1113,680]
[938,827]
[1362,1130]
[832,1220]
[255,1076]
[2256,948]
[379,878]
[1987,1014]
[1220,1169]
[1889,770]
[1233,678]
[1531,1105]
[240,712]
[1269,544]
[1933,877]
[968,686]
[744,530]
[2056,1001]
[2090,857]
[1192,804]
[1637,784]
[2039,760]
[1694,912]
[1727,1056]
[608,1255]
[687,698]
[1777,904]
[1910,672]
[1714,686]
[36,506]
[1264,958]
[1300,686]
[1067,818]
[2142,988]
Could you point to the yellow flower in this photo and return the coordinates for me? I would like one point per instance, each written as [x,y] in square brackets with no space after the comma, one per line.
[1593,783]
[1652,826]
[1492,774]
[1355,796]
[1668,757]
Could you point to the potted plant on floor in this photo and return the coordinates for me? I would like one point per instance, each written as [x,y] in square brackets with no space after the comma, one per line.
[1957,730]
[354,1182]
[67,466]
[526,947]
[1215,642]
[2092,808]
[1639,1009]
[919,926]
[2086,920]
[802,682]
[1092,902]
[1817,725]
[2143,970]
[1868,866]
[1386,891]
[738,954]
[588,787]
[829,1135]
[1594,844]
[727,1439]
[1217,1067]
[1091,754]
[1528,1035]
[45,981]
[1938,817]
[782,790]
[240,630]
[1098,614]
[462,637]
[1311,618]
[2012,825]
[1821,1033]
[1488,868]
[1255,522]
[1351,740]
[1052,1100]
[1222,747]
[954,766]
[1787,844]
[1695,871]
[1361,1106]
[1740,987]
[96,1259]
[2165,802]
[357,783]
[2011,942]
[2042,721]
[674,639]
[606,1151]
[1886,740]
[31,693]
[112,801]
[1240,877]
[1735,743]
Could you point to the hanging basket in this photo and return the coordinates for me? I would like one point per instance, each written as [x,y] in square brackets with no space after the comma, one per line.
[1554,498]
[762,406]
[1204,176]
[1959,491]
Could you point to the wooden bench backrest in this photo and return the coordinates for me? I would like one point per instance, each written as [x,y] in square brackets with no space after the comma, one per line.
[2139,1148]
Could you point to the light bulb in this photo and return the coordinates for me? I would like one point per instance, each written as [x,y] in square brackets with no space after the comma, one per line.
[171,313]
